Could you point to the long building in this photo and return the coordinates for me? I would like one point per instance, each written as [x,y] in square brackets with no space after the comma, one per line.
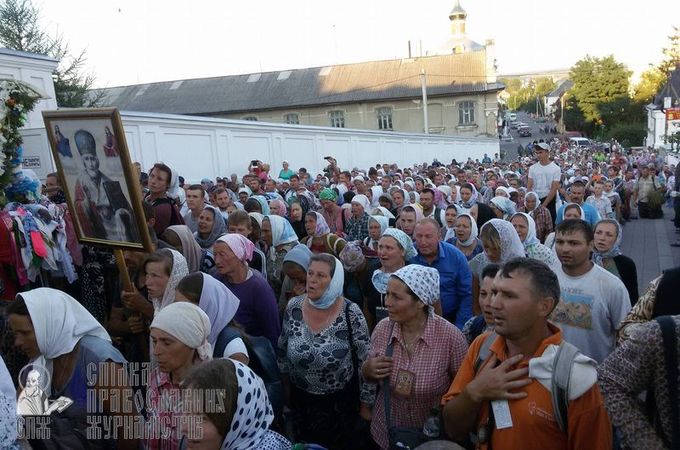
[461,86]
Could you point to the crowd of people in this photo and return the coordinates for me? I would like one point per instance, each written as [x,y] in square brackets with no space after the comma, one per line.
[486,303]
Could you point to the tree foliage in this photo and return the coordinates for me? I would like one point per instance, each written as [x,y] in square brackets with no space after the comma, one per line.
[20,29]
[522,96]
[598,81]
[627,134]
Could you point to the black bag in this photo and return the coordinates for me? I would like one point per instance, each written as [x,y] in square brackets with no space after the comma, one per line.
[401,438]
[63,431]
[262,360]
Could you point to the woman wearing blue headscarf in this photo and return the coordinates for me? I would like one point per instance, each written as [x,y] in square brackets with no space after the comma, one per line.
[280,237]
[323,336]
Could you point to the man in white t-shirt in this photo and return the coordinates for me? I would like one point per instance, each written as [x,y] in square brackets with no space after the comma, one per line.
[593,301]
[544,178]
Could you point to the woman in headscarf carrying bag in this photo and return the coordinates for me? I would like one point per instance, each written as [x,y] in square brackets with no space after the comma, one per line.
[179,333]
[414,355]
[323,344]
[280,237]
[57,333]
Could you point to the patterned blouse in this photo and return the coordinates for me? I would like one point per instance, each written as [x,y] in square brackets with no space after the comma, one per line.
[642,312]
[633,368]
[541,253]
[357,229]
[321,363]
[544,222]
[434,361]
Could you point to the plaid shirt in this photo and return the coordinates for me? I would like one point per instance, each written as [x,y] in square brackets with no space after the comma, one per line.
[357,229]
[544,224]
[435,359]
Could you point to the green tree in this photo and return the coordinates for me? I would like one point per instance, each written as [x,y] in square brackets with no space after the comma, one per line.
[20,29]
[671,53]
[627,134]
[650,82]
[598,81]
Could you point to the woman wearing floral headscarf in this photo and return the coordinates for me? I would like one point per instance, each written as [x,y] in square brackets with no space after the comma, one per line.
[319,237]
[320,352]
[280,238]
[501,244]
[526,230]
[414,355]
[278,207]
[607,254]
[244,424]
[395,249]
[179,334]
[211,225]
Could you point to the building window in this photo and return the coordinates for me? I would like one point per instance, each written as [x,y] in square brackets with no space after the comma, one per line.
[292,119]
[251,118]
[337,119]
[466,113]
[384,118]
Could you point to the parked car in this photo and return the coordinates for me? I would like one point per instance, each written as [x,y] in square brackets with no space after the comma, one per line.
[524,132]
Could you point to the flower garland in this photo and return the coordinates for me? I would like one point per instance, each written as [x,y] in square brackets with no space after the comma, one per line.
[16,101]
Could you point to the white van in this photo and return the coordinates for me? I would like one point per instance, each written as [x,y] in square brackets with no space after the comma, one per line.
[579,141]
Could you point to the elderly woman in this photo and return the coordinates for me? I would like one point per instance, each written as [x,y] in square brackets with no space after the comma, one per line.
[503,207]
[414,355]
[357,225]
[323,344]
[319,237]
[179,334]
[59,335]
[280,238]
[501,244]
[244,423]
[211,225]
[465,238]
[526,230]
[395,248]
[220,305]
[257,312]
[376,227]
[278,207]
[540,214]
[607,254]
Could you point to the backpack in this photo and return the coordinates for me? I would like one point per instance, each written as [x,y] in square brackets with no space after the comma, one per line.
[561,375]
[262,360]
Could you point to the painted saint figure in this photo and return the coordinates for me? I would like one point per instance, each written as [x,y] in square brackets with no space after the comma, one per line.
[32,400]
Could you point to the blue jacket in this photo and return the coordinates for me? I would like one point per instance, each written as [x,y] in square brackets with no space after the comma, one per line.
[455,282]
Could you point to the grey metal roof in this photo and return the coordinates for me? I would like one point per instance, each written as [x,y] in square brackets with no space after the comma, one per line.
[347,83]
[457,9]
[8,51]
[561,88]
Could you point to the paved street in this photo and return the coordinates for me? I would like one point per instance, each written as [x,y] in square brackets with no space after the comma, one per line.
[510,147]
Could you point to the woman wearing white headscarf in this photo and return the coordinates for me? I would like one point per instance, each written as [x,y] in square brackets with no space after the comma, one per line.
[376,227]
[503,207]
[182,239]
[220,305]
[526,230]
[414,355]
[60,336]
[540,214]
[244,425]
[357,225]
[323,343]
[179,333]
[376,192]
[162,270]
[465,236]
[501,244]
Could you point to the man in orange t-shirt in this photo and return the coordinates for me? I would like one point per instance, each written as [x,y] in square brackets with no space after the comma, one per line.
[525,292]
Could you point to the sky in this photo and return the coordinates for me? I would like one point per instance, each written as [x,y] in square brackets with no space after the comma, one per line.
[141,41]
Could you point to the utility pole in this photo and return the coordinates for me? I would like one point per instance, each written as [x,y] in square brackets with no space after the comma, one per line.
[423,85]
